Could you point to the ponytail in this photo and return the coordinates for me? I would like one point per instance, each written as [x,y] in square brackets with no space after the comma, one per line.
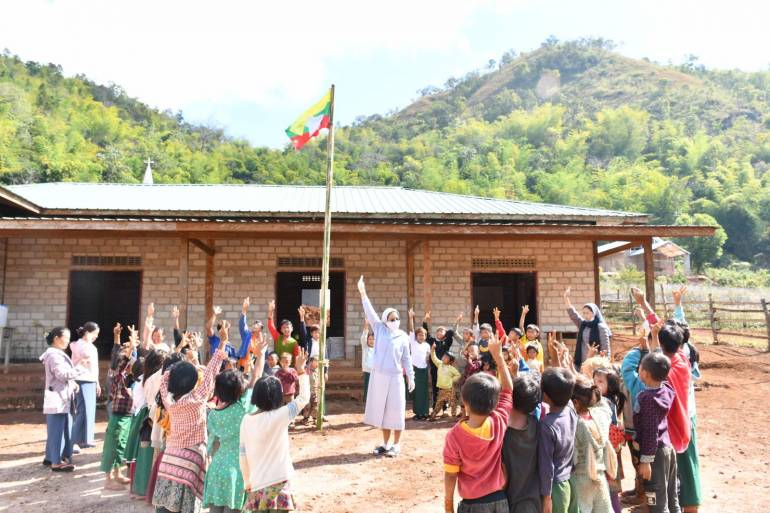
[585,392]
[54,334]
[88,327]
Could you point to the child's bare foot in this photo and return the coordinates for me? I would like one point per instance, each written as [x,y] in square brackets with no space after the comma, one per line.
[122,479]
[113,485]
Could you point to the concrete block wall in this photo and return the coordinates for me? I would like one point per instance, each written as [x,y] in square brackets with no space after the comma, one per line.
[558,264]
[37,278]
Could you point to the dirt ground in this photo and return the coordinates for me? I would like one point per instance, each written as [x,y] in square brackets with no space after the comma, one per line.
[336,473]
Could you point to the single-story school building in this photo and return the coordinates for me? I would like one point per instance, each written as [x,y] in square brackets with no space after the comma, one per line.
[73,252]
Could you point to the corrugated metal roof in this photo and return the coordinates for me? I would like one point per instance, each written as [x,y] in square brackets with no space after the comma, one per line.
[288,200]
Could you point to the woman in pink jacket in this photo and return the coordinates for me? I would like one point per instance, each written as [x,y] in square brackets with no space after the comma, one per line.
[60,389]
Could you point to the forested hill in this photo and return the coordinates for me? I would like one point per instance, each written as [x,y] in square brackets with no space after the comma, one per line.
[572,123]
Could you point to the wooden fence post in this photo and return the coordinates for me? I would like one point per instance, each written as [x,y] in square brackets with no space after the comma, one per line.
[767,322]
[713,319]
[632,305]
[663,300]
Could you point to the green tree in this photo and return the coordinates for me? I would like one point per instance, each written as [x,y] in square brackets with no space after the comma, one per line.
[703,250]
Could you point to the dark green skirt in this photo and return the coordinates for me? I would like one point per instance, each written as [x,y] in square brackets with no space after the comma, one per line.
[142,469]
[688,468]
[132,443]
[421,390]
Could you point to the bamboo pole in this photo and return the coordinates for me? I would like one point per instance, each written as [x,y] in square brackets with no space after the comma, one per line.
[767,322]
[325,269]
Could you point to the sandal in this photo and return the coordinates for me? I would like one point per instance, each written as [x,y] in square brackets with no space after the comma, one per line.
[63,467]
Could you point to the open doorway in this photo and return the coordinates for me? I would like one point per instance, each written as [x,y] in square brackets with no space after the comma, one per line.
[105,297]
[508,292]
[304,288]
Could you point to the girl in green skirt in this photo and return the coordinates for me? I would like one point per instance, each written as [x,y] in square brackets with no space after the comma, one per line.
[113,454]
[420,350]
[139,452]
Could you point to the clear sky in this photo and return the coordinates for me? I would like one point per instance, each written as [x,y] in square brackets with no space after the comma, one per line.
[253,66]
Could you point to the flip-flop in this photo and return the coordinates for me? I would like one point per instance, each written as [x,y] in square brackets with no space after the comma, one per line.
[62,468]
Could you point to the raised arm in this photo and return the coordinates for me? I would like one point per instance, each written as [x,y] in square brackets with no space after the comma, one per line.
[369,311]
[259,366]
[496,350]
[678,308]
[523,317]
[271,321]
[642,301]
[499,325]
[304,339]
[243,323]
[206,385]
[212,322]
[365,334]
[475,328]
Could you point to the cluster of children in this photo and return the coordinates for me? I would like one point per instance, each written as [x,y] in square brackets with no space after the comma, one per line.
[531,439]
[193,436]
[550,441]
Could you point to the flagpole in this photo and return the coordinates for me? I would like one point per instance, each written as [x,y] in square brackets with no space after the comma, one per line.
[325,269]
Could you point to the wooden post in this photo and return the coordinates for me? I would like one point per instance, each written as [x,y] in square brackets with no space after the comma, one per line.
[767,322]
[209,295]
[632,306]
[325,267]
[410,274]
[597,283]
[663,300]
[184,257]
[713,320]
[426,277]
[649,272]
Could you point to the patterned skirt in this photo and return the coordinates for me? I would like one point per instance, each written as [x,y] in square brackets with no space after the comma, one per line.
[277,496]
[181,475]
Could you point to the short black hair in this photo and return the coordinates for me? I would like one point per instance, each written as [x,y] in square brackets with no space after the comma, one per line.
[657,364]
[153,362]
[486,358]
[451,356]
[267,394]
[182,379]
[137,369]
[313,328]
[171,360]
[670,338]
[558,384]
[526,393]
[229,386]
[285,321]
[480,393]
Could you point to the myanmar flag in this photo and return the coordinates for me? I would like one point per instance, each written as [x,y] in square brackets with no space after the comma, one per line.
[311,122]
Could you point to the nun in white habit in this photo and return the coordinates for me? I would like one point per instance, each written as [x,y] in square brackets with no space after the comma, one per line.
[386,398]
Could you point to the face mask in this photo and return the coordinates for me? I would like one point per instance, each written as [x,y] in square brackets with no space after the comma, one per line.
[393,325]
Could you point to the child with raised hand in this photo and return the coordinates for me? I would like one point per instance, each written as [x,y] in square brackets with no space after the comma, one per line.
[531,335]
[473,447]
[420,350]
[657,466]
[184,397]
[594,455]
[116,436]
[265,460]
[223,488]
[283,342]
[448,377]
[520,445]
[556,440]
[367,355]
